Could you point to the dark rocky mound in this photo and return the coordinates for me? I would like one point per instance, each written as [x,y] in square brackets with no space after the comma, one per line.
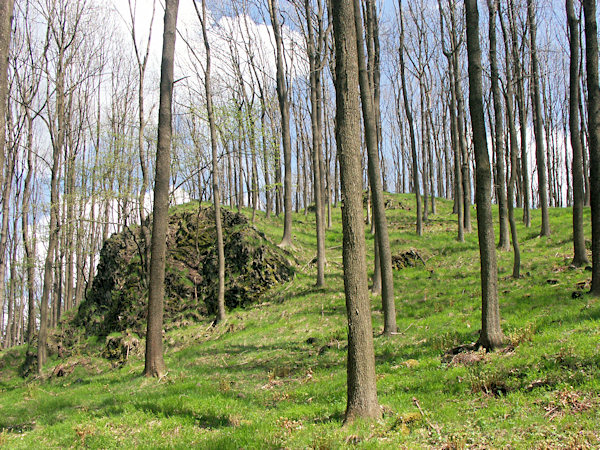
[118,297]
[409,258]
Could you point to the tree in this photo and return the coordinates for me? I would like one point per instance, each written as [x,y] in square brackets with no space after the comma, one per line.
[215,167]
[141,57]
[362,388]
[593,86]
[155,365]
[503,242]
[460,120]
[284,107]
[519,79]
[411,126]
[64,34]
[491,335]
[538,124]
[458,184]
[374,169]
[579,253]
[315,89]
[513,151]
[6,10]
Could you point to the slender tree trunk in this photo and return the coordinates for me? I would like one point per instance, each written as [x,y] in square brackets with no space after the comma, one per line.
[538,124]
[316,146]
[503,242]
[579,253]
[411,127]
[6,14]
[513,151]
[215,168]
[284,107]
[520,82]
[460,123]
[27,244]
[142,63]
[381,231]
[491,334]
[424,144]
[362,387]
[458,185]
[4,227]
[155,365]
[591,57]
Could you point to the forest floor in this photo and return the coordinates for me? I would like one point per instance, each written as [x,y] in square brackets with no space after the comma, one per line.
[274,375]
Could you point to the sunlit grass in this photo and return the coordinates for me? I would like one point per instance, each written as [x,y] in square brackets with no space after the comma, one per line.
[273,375]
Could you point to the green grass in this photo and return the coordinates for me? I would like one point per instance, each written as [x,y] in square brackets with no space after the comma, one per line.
[273,376]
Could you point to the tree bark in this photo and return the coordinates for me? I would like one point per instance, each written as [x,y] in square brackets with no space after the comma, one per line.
[513,151]
[458,185]
[27,244]
[155,365]
[591,58]
[520,94]
[374,169]
[142,63]
[6,15]
[215,168]
[491,335]
[316,145]
[284,107]
[411,127]
[460,124]
[579,253]
[503,241]
[538,123]
[362,388]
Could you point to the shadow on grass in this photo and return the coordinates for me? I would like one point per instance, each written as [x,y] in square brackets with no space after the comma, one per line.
[208,421]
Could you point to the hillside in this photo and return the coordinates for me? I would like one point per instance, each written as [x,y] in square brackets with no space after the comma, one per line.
[273,375]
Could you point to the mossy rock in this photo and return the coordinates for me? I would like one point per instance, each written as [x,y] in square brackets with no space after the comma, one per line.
[118,297]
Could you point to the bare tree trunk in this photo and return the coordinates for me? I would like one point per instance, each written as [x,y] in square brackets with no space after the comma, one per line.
[215,168]
[284,107]
[6,13]
[381,232]
[491,334]
[411,127]
[513,150]
[4,227]
[591,58]
[538,124]
[362,388]
[142,63]
[316,145]
[155,365]
[27,244]
[58,140]
[458,185]
[424,144]
[519,80]
[579,253]
[503,242]
[461,123]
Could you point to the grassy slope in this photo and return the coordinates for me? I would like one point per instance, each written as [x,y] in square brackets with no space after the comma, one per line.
[274,376]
